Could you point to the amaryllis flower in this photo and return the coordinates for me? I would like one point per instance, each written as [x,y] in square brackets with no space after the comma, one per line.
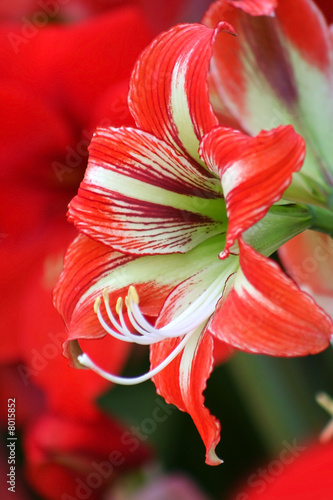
[176,228]
[75,458]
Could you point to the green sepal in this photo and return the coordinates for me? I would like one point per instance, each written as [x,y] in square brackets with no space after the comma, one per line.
[281,223]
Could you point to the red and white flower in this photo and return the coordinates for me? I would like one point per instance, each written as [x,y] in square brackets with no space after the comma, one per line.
[159,204]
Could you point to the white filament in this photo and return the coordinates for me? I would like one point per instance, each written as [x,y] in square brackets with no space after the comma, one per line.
[88,363]
[184,325]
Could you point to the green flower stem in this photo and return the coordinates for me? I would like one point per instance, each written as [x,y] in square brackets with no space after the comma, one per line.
[321,220]
[305,190]
[281,223]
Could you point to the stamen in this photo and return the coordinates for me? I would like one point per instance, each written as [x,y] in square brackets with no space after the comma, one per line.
[194,315]
[133,294]
[122,332]
[188,322]
[107,328]
[97,305]
[119,305]
[85,360]
[326,402]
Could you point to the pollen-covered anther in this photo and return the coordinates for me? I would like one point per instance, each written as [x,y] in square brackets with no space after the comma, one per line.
[133,294]
[119,305]
[97,305]
[145,333]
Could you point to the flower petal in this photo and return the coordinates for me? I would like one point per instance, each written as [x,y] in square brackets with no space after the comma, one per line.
[141,197]
[254,171]
[254,7]
[183,381]
[86,263]
[308,473]
[169,94]
[91,267]
[277,71]
[266,313]
[90,77]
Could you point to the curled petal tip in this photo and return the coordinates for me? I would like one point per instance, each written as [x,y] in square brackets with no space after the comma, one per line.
[82,361]
[212,458]
[226,28]
[224,254]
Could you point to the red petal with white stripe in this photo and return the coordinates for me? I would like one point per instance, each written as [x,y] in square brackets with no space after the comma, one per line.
[265,312]
[169,94]
[277,71]
[89,268]
[304,24]
[142,197]
[254,172]
[85,263]
[183,381]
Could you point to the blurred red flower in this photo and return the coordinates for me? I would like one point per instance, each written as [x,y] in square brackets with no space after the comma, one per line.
[79,458]
[304,474]
[57,84]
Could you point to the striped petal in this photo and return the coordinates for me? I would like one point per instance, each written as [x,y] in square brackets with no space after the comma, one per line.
[141,197]
[254,171]
[278,71]
[87,263]
[183,382]
[169,93]
[266,313]
[195,279]
[91,267]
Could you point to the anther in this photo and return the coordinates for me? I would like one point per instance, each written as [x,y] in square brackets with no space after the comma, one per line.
[133,294]
[119,305]
[97,305]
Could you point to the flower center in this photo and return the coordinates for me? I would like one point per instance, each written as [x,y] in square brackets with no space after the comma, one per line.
[185,325]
